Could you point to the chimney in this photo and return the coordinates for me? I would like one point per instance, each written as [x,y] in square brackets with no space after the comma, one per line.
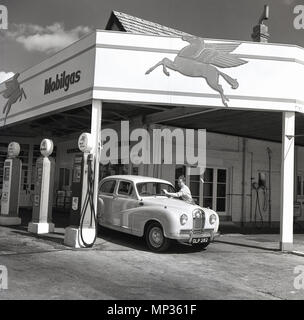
[260,31]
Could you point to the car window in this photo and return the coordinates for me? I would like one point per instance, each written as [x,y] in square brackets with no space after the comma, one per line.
[108,187]
[125,188]
[153,188]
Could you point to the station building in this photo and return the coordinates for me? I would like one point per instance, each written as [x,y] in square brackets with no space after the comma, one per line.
[247,178]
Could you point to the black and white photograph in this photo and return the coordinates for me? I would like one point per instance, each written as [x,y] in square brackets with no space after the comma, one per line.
[151,153]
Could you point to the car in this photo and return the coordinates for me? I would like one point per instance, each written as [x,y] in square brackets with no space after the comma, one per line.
[137,205]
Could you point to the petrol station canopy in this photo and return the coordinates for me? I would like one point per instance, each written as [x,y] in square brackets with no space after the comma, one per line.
[111,66]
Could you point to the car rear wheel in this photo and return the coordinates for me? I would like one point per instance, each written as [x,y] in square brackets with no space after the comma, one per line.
[155,238]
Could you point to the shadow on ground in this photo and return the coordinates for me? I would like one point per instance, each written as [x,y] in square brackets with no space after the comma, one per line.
[107,239]
[136,243]
[113,240]
[248,245]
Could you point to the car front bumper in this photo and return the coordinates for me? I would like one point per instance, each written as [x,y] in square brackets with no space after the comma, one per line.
[187,236]
[205,234]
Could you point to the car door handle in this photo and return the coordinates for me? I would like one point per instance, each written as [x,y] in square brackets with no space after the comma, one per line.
[140,203]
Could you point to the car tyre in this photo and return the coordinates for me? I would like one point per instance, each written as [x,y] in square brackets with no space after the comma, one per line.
[155,238]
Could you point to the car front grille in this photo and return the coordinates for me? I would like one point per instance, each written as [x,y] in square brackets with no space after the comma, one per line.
[199,222]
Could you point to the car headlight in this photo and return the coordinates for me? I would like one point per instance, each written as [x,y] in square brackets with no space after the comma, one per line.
[183,219]
[212,219]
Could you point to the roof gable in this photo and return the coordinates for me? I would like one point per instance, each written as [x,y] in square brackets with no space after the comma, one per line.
[120,21]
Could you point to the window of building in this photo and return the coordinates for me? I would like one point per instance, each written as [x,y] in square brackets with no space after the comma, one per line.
[3,155]
[208,187]
[300,185]
[24,157]
[215,189]
[64,178]
[195,187]
[112,169]
[212,192]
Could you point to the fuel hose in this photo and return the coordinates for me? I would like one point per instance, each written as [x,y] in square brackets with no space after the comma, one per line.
[89,202]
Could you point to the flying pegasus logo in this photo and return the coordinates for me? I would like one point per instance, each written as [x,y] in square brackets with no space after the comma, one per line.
[199,59]
[13,92]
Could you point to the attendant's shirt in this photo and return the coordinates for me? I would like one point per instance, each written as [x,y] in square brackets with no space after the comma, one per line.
[184,193]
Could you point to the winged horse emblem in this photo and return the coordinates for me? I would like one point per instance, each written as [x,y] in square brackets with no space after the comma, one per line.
[13,92]
[200,59]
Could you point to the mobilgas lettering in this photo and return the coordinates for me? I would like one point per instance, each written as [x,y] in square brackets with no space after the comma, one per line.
[62,81]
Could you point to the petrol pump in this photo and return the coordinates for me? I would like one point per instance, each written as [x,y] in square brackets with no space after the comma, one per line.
[83,225]
[43,193]
[11,186]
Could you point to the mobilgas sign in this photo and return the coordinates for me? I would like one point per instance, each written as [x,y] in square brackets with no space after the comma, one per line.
[62,81]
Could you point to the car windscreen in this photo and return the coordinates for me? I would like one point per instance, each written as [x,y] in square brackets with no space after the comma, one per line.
[146,189]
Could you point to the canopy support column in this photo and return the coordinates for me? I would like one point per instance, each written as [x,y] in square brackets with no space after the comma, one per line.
[96,118]
[287,181]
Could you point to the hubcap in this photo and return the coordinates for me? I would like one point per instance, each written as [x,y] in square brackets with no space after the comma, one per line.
[156,237]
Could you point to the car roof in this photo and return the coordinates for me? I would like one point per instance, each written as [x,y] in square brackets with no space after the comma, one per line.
[136,179]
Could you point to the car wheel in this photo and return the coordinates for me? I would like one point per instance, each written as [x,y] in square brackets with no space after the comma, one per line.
[155,238]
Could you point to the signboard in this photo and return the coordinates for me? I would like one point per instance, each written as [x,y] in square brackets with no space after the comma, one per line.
[64,80]
[187,71]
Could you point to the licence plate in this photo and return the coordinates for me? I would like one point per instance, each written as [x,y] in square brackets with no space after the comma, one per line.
[199,240]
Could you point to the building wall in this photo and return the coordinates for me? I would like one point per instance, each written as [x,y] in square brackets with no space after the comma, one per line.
[66,152]
[225,152]
[246,159]
[257,162]
[29,154]
[243,158]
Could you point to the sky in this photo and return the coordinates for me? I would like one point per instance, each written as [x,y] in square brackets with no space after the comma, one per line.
[38,28]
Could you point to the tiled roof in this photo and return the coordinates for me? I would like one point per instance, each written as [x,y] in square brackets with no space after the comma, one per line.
[128,23]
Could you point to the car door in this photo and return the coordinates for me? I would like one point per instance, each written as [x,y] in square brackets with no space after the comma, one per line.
[106,194]
[124,202]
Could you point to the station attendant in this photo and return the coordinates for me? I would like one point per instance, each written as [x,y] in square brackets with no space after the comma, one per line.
[184,193]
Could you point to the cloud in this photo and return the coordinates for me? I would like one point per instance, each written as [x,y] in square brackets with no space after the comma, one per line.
[5,75]
[47,39]
[288,2]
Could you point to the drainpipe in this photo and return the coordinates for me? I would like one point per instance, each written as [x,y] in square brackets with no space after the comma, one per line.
[251,180]
[269,187]
[243,213]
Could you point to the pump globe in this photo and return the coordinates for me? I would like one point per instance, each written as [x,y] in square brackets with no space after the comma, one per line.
[46,147]
[85,142]
[13,150]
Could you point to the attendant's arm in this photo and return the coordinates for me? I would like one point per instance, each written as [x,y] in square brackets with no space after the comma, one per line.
[172,194]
